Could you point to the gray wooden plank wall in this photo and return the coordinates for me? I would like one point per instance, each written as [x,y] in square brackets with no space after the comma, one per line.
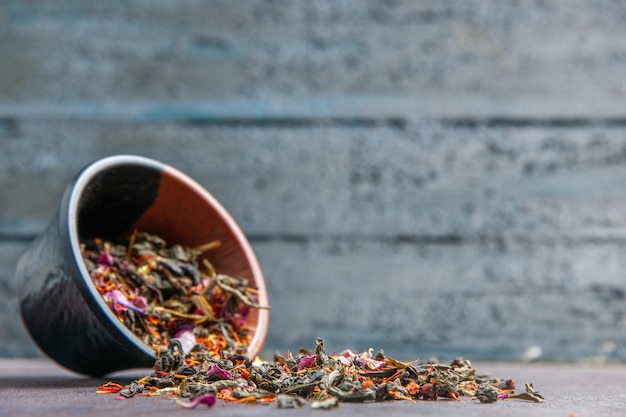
[435,178]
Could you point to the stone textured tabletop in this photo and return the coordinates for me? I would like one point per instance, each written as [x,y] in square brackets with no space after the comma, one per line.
[39,387]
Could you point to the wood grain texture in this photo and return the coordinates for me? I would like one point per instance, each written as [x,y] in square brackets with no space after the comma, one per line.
[426,180]
[332,58]
[432,178]
[484,241]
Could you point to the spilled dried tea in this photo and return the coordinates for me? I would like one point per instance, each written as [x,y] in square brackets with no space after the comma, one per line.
[170,300]
[195,318]
[314,377]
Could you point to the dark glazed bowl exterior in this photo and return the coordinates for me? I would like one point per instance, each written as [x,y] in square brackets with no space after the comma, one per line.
[60,307]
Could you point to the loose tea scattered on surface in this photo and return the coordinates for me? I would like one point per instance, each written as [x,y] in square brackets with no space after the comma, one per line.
[166,293]
[312,377]
[195,319]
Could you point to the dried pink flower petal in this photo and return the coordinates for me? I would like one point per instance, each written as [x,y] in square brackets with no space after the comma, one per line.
[220,373]
[105,259]
[120,302]
[187,339]
[208,399]
[307,362]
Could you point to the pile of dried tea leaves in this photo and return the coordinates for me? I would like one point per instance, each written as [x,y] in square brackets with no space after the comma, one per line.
[195,319]
[162,293]
[324,381]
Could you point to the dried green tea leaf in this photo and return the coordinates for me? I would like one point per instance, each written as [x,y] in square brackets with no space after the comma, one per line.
[487,394]
[290,401]
[327,404]
[529,395]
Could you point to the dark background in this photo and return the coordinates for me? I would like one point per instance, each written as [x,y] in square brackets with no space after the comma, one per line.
[434,178]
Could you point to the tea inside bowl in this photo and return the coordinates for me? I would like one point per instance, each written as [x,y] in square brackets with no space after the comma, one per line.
[164,202]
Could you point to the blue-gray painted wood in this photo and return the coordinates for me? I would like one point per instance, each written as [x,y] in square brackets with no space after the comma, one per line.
[448,58]
[432,178]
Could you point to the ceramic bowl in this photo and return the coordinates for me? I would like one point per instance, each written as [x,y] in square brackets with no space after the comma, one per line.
[61,308]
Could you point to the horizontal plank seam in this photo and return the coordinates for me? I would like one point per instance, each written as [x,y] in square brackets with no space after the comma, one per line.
[313,111]
[399,239]
[297,122]
[354,238]
[433,239]
[9,126]
[402,123]
[521,122]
